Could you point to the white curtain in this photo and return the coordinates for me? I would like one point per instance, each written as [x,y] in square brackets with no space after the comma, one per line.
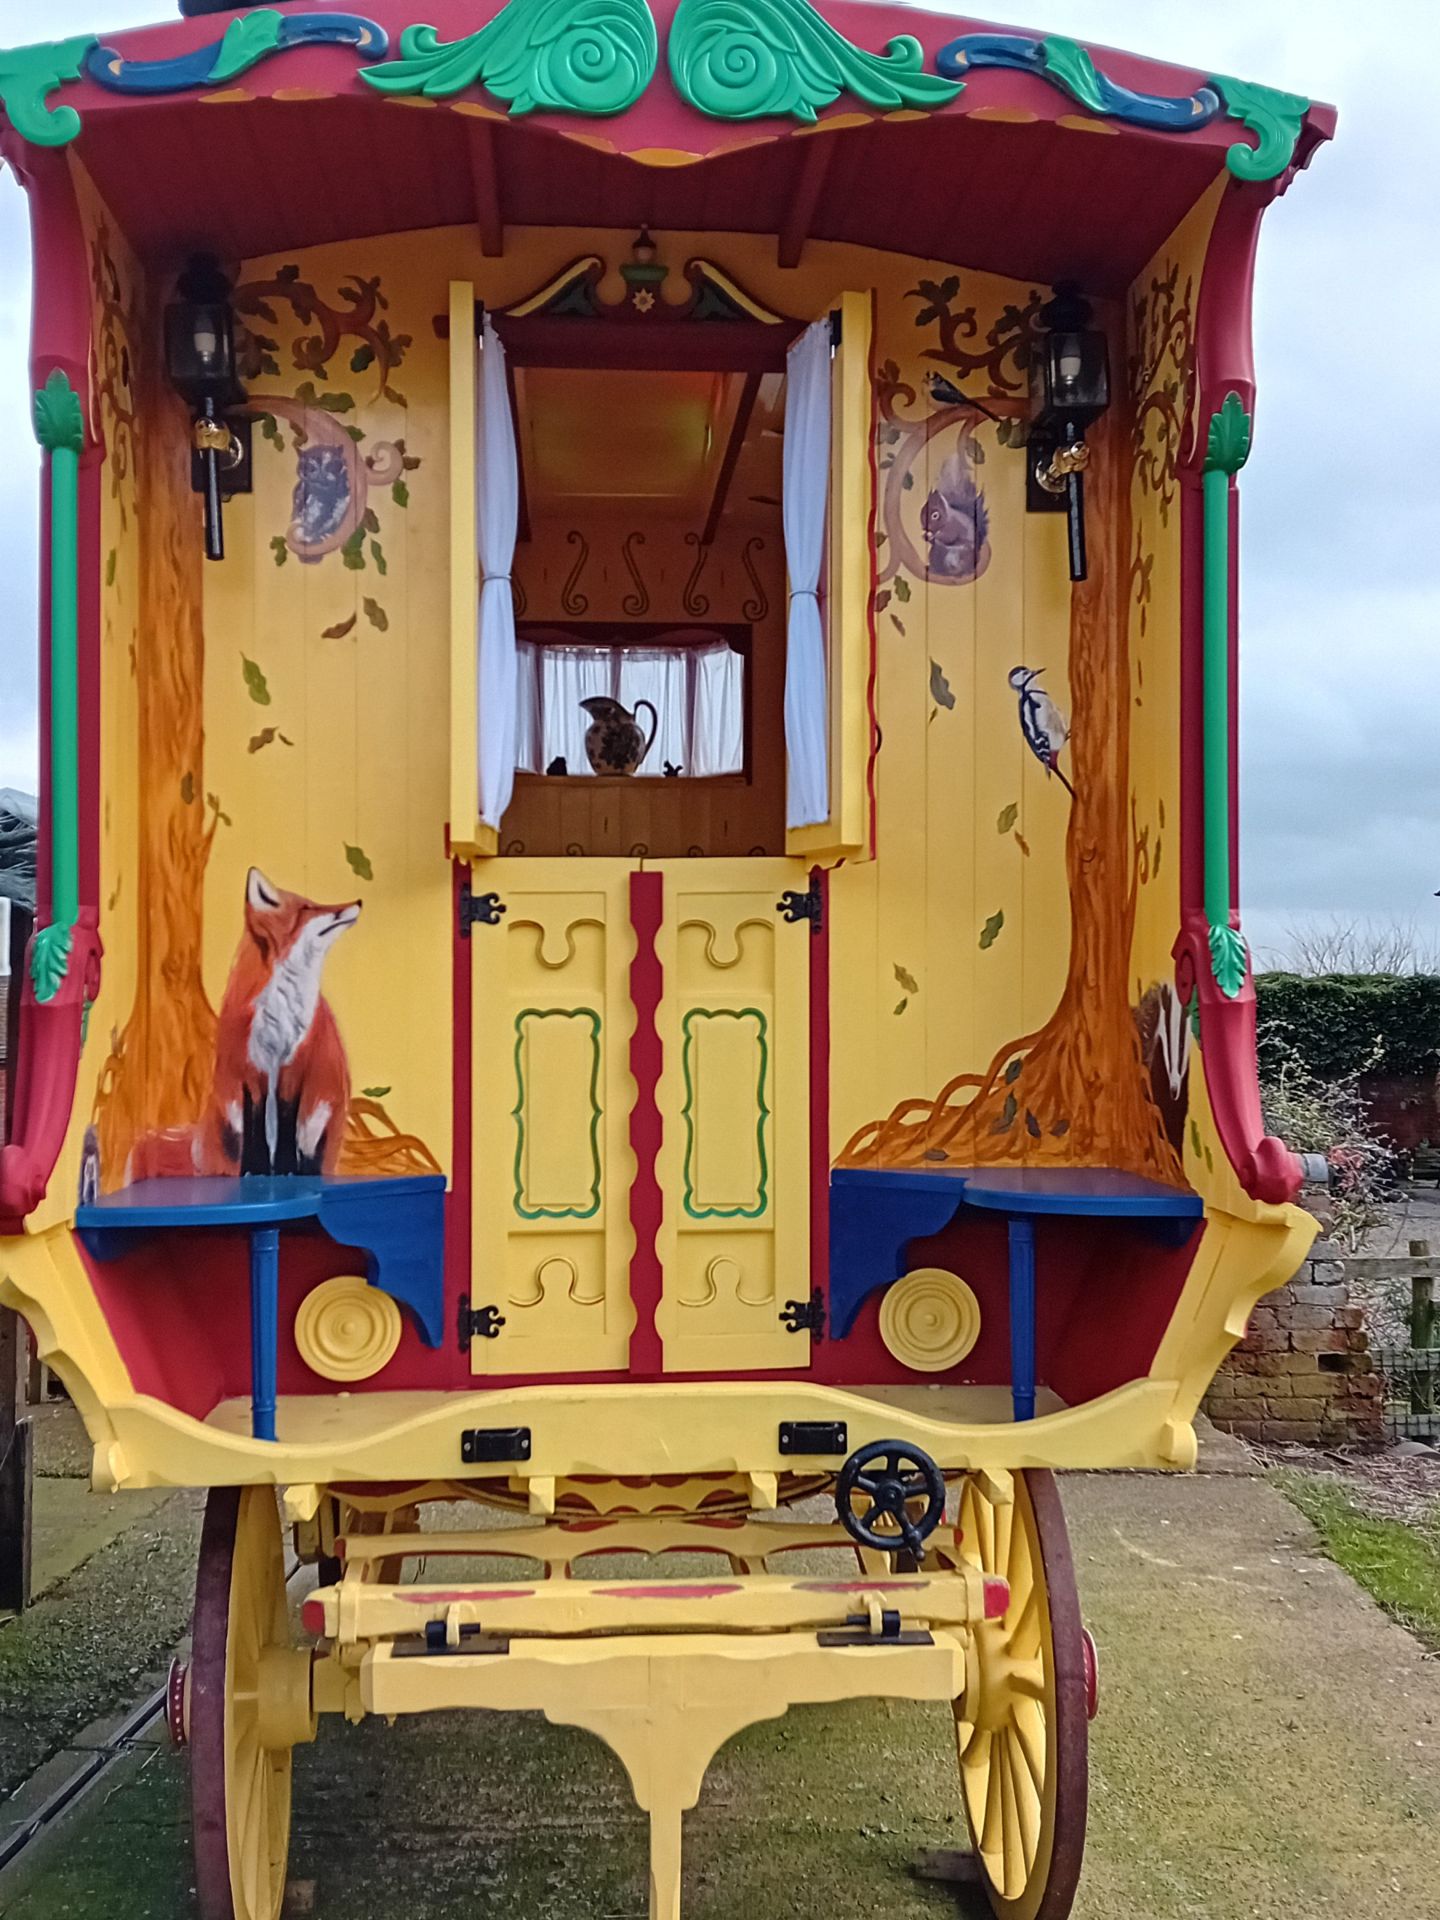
[698,693]
[806,493]
[497,517]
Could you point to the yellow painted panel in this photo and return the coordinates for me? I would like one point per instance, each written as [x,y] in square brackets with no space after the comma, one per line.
[552,1097]
[734,1102]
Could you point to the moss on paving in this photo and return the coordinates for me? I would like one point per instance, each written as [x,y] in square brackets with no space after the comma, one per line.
[1398,1565]
[95,1642]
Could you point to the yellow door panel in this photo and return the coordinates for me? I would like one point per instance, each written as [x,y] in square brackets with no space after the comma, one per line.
[734,1102]
[552,1100]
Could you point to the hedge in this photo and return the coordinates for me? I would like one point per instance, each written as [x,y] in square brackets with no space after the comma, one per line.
[1343,1023]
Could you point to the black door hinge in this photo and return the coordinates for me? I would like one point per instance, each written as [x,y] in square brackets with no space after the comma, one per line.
[806,1316]
[810,905]
[483,1323]
[479,910]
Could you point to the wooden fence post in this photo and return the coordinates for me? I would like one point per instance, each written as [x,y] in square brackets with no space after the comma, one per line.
[1422,1331]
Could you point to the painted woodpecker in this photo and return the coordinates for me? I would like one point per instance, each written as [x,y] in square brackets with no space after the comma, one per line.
[1043,724]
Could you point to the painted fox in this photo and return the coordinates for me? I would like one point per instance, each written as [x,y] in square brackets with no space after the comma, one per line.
[282,1085]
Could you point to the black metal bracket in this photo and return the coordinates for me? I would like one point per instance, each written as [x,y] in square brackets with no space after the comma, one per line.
[805,1316]
[479,910]
[793,906]
[481,1446]
[484,1323]
[472,1640]
[811,1437]
[857,1632]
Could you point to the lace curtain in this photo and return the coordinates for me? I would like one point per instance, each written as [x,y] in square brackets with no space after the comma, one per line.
[698,693]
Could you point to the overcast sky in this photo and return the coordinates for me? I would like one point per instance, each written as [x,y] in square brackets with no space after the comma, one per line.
[1341,582]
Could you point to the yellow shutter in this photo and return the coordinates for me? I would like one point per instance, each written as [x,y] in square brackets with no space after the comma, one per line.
[468,834]
[849,590]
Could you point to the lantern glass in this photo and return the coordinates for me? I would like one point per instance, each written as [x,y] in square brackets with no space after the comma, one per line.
[1072,378]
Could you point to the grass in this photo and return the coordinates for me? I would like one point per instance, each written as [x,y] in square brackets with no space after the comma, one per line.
[1398,1565]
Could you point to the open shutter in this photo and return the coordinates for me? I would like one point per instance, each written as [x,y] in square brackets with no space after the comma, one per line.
[849,578]
[469,836]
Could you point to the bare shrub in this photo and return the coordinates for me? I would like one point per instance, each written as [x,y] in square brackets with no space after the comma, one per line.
[1330,1117]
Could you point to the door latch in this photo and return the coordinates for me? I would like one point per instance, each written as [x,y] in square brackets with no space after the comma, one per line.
[481,1323]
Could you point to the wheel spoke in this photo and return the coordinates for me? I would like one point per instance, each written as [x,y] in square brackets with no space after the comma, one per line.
[1030,1739]
[1004,1539]
[1025,1799]
[1013,1877]
[1027,1678]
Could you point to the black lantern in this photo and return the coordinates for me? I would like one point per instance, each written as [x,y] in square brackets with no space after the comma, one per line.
[200,360]
[1069,389]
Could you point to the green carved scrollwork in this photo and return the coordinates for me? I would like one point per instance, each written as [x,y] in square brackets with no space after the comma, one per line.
[1227,447]
[29,75]
[749,59]
[564,56]
[60,429]
[1070,66]
[1274,118]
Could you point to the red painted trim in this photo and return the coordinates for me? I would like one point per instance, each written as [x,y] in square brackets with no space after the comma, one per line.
[459,1248]
[312,1616]
[647,1202]
[1264,1166]
[50,1035]
[820,1092]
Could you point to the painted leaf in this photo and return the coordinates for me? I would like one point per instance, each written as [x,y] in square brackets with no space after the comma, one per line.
[1010,1109]
[1022,843]
[1013,1071]
[1195,1147]
[264,738]
[377,615]
[362,358]
[110,561]
[906,979]
[1008,816]
[1060,1129]
[339,631]
[359,863]
[783,57]
[902,588]
[378,556]
[255,682]
[990,932]
[400,494]
[901,1005]
[898,624]
[594,57]
[353,551]
[374,1093]
[187,789]
[280,549]
[1032,1125]
[940,689]
[882,600]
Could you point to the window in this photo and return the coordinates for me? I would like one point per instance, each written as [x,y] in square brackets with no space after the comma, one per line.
[685,690]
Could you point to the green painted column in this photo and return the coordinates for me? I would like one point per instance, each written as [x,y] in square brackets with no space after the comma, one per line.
[1226,450]
[60,429]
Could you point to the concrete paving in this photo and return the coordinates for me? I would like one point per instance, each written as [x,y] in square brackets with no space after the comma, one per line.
[1268,1749]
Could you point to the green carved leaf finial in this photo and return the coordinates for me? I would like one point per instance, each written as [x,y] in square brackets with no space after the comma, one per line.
[748,59]
[246,41]
[1274,118]
[49,957]
[561,56]
[1228,446]
[59,420]
[1228,960]
[29,75]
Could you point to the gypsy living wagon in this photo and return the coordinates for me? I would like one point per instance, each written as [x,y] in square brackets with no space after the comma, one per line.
[639,649]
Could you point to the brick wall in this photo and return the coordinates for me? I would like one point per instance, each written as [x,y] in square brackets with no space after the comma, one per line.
[1303,1371]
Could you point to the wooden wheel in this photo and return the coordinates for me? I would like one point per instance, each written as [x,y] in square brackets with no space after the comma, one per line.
[1023,1726]
[240,1750]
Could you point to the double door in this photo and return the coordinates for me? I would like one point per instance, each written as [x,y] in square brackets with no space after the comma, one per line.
[641,1117]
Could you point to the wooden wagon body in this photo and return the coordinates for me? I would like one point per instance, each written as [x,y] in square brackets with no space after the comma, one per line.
[416,1096]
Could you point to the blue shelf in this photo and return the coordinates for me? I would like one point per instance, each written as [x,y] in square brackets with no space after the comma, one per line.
[397,1225]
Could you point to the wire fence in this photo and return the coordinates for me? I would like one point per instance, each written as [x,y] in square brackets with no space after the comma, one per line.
[1412,1391]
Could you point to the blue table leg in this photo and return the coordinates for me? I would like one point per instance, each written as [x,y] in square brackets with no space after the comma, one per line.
[264,1328]
[1022,1317]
